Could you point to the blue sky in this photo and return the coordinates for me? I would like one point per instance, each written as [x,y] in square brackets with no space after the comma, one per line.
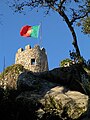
[56,37]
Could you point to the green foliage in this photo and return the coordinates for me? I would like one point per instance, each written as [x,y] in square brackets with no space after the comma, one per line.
[66,62]
[14,68]
[9,76]
[86,26]
[77,59]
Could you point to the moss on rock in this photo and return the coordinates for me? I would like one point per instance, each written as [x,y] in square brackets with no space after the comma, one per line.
[9,76]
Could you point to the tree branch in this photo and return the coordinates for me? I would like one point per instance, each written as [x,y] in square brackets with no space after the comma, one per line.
[61,3]
[78,17]
[69,23]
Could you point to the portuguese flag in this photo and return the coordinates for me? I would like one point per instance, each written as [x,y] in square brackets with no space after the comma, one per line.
[30,31]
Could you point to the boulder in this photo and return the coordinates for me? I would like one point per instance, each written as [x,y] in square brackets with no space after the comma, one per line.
[58,94]
[70,77]
[64,103]
[45,99]
[57,103]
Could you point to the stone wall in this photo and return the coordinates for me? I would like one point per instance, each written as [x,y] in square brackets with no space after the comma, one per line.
[33,59]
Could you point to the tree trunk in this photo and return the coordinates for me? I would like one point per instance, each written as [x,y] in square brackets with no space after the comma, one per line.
[72,32]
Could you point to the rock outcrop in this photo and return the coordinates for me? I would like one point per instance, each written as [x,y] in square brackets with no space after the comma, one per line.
[58,94]
[70,77]
[50,99]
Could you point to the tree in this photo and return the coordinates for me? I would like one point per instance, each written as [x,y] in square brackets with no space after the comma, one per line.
[70,10]
[86,21]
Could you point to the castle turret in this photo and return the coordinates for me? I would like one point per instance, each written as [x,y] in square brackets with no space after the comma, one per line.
[33,59]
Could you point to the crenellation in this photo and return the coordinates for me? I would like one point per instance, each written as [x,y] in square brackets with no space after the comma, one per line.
[20,50]
[33,59]
[27,47]
[43,49]
[36,47]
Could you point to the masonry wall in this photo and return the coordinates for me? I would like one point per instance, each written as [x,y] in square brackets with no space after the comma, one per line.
[33,59]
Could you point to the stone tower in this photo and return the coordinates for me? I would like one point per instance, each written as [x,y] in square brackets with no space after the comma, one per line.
[33,59]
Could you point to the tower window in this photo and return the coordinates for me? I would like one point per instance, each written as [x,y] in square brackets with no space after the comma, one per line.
[32,61]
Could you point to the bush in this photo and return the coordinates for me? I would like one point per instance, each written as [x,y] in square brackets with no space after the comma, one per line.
[66,62]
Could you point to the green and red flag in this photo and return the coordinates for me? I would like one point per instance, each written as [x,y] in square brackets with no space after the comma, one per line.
[30,31]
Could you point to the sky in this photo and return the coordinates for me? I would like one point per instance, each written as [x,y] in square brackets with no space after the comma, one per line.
[56,37]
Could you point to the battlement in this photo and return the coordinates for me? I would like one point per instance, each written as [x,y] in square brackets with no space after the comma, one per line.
[28,47]
[33,59]
[20,50]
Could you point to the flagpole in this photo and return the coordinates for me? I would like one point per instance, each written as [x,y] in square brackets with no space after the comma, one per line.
[40,42]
